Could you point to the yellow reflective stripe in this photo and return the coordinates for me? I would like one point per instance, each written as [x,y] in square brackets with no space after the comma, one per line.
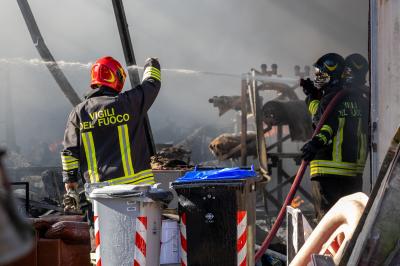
[128,179]
[313,106]
[326,163]
[128,149]
[334,168]
[359,140]
[88,143]
[332,171]
[152,72]
[322,136]
[353,169]
[362,147]
[96,174]
[125,148]
[68,158]
[69,162]
[337,141]
[88,160]
[363,153]
[70,166]
[148,181]
[132,180]
[155,72]
[327,128]
[123,151]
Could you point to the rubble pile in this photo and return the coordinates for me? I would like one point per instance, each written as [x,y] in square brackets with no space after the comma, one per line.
[171,158]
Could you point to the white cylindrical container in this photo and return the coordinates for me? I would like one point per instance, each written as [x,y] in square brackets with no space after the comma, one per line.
[170,244]
[128,225]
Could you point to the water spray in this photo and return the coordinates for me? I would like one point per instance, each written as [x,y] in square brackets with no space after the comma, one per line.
[65,65]
[38,62]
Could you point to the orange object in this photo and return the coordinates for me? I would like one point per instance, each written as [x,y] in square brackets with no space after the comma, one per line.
[296,202]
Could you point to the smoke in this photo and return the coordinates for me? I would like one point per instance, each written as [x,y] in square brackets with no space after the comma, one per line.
[204,45]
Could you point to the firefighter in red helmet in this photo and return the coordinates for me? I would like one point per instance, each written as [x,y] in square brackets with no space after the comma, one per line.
[105,138]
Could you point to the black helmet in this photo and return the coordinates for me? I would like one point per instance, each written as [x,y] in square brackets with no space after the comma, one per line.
[355,69]
[329,69]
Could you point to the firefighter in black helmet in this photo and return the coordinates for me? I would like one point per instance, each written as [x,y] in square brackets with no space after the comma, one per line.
[355,72]
[337,153]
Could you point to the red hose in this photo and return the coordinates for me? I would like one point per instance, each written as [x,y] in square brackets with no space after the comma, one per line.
[297,179]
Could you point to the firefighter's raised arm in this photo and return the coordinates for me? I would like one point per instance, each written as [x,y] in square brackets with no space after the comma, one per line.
[142,97]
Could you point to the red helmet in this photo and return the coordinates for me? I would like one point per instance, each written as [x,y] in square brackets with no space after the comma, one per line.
[108,72]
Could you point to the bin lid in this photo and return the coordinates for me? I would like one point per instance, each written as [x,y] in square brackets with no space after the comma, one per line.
[224,174]
[120,191]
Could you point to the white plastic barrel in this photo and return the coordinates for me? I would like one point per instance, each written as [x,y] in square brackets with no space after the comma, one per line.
[127,225]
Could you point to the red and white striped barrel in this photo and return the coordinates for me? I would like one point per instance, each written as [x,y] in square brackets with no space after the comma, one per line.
[97,234]
[241,239]
[140,241]
[183,240]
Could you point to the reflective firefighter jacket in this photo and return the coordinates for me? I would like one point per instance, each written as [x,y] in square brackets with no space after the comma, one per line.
[105,138]
[344,134]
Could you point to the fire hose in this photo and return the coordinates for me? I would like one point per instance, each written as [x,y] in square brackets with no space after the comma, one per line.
[297,179]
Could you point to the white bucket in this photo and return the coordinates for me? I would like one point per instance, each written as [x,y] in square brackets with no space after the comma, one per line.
[170,243]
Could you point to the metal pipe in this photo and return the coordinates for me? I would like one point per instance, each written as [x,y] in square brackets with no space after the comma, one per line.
[130,60]
[261,145]
[374,99]
[243,136]
[279,164]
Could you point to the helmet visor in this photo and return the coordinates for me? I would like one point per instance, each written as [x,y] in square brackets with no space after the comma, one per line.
[320,78]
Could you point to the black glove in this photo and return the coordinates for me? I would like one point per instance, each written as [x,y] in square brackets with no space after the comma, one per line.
[308,87]
[71,201]
[311,148]
[152,61]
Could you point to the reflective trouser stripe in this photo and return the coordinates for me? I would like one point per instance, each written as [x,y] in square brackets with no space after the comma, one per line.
[362,147]
[334,168]
[333,171]
[125,147]
[338,141]
[362,153]
[328,163]
[313,107]
[88,143]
